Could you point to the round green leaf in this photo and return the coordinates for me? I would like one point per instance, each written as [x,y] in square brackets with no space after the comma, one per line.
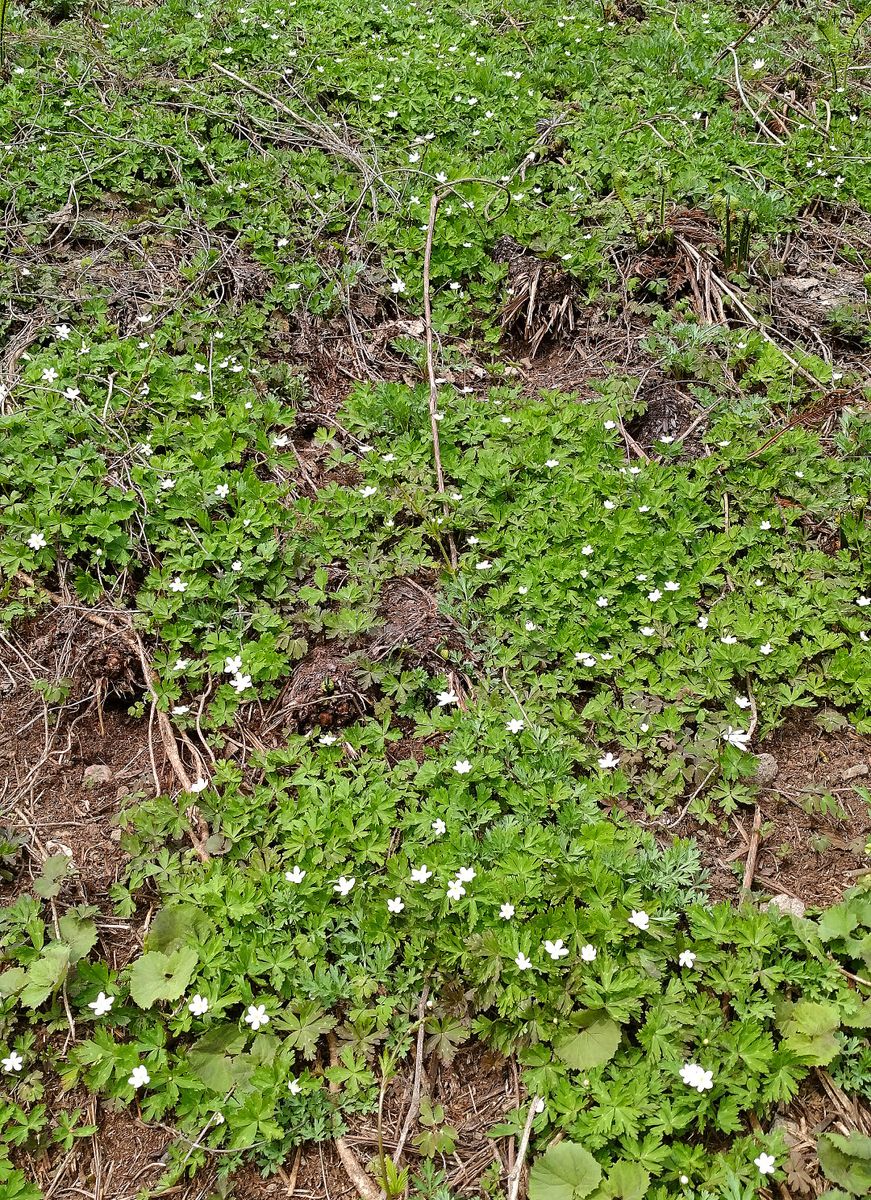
[565,1172]
[594,1044]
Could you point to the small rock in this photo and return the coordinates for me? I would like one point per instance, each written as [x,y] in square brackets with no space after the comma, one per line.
[766,769]
[96,773]
[855,772]
[791,905]
[115,835]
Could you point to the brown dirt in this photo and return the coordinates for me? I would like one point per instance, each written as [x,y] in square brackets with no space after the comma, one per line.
[805,852]
[70,761]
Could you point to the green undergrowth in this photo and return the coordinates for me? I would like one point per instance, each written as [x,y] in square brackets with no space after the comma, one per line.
[633,622]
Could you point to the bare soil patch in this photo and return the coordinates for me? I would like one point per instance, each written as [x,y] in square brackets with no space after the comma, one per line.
[814,827]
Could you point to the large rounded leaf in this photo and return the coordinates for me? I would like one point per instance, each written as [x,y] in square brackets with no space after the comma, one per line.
[565,1172]
[594,1044]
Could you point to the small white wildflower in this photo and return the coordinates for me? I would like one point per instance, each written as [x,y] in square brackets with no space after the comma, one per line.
[687,958]
[522,961]
[639,919]
[256,1016]
[395,905]
[588,953]
[139,1077]
[102,1005]
[344,884]
[198,1006]
[462,766]
[296,875]
[506,911]
[557,949]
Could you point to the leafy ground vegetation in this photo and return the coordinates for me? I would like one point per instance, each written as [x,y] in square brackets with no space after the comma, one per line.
[435,565]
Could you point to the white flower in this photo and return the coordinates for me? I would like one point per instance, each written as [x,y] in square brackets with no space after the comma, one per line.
[758,64]
[766,648]
[240,683]
[671,586]
[198,1006]
[236,564]
[703,622]
[62,332]
[506,911]
[557,949]
[280,439]
[344,884]
[552,462]
[180,709]
[293,1087]
[102,1004]
[12,1062]
[602,602]
[610,424]
[462,766]
[864,601]
[297,875]
[696,1077]
[655,595]
[397,286]
[395,905]
[256,1016]
[764,524]
[445,698]
[514,726]
[223,489]
[166,485]
[72,393]
[766,1163]
[647,631]
[420,874]
[439,827]
[232,666]
[181,664]
[456,890]
[736,738]
[327,739]
[483,565]
[36,541]
[609,504]
[529,626]
[466,874]
[178,585]
[199,785]
[608,761]
[639,919]
[588,953]
[49,375]
[522,961]
[366,492]
[742,701]
[687,958]
[587,550]
[728,639]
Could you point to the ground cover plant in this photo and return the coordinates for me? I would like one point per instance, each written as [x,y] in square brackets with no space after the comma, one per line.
[454,421]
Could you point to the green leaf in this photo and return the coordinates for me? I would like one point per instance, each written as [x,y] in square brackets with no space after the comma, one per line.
[173,926]
[625,1181]
[847,1161]
[80,935]
[305,1026]
[594,1044]
[565,1172]
[12,981]
[46,974]
[157,976]
[54,872]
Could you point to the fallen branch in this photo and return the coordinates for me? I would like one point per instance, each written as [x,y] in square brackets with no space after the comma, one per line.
[517,1169]
[363,1182]
[414,1106]
[752,852]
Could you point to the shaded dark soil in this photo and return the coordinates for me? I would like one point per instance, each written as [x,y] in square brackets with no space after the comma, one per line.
[815,825]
